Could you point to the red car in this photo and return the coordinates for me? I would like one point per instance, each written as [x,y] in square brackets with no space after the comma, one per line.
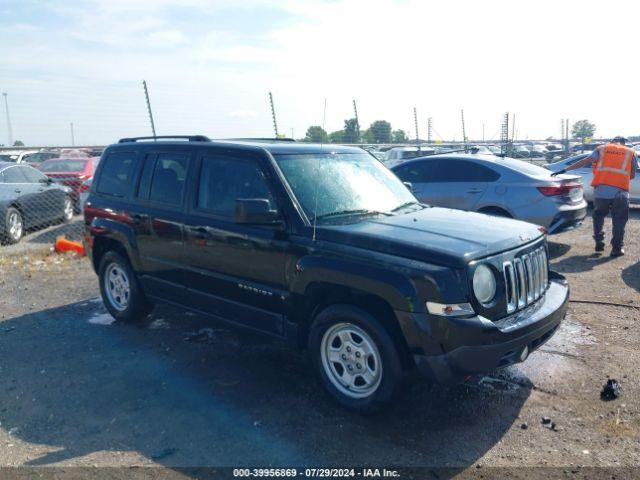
[72,172]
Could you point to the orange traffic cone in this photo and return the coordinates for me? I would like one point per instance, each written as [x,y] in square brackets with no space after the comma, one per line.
[64,245]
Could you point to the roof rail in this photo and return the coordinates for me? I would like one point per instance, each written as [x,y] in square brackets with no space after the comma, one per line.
[271,139]
[190,138]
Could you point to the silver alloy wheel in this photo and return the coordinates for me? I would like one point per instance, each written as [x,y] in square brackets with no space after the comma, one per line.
[117,286]
[68,209]
[351,360]
[15,225]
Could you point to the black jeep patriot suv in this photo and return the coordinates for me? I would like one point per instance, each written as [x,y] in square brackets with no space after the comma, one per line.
[323,246]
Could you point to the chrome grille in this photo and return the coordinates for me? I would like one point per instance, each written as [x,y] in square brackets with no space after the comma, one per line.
[525,279]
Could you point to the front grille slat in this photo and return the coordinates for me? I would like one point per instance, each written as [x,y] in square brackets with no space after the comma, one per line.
[526,279]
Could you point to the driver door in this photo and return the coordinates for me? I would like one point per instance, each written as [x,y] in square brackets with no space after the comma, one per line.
[235,272]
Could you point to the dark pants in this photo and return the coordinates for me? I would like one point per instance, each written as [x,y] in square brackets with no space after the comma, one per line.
[619,208]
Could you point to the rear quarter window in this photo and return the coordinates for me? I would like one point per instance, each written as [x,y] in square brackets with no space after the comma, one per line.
[116,173]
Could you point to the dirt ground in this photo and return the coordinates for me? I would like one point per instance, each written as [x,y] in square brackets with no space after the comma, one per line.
[182,391]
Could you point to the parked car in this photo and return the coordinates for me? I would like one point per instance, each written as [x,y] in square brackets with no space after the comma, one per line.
[84,193]
[323,247]
[28,199]
[520,151]
[403,153]
[34,159]
[16,156]
[497,186]
[71,172]
[586,175]
[562,164]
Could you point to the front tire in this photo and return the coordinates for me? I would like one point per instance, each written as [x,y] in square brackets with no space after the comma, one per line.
[13,226]
[356,358]
[121,293]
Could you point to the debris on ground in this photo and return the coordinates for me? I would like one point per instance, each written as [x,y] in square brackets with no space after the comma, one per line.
[547,423]
[611,390]
[204,335]
[524,426]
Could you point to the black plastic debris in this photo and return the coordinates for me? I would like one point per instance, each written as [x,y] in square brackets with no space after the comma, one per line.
[524,426]
[547,423]
[611,390]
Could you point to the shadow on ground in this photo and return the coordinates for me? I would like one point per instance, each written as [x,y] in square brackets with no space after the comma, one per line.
[631,276]
[557,249]
[224,398]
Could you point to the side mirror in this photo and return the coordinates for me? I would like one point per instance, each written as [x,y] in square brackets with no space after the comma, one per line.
[409,186]
[46,180]
[256,211]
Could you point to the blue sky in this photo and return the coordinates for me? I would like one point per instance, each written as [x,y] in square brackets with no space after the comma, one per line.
[211,64]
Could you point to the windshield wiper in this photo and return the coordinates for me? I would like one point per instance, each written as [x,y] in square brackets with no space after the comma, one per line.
[404,205]
[359,211]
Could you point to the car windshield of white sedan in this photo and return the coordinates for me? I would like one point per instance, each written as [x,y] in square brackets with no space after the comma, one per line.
[334,184]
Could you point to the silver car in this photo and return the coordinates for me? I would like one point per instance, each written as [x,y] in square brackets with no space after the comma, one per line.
[586,174]
[497,186]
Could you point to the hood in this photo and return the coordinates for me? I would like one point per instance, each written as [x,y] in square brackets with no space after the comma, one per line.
[437,235]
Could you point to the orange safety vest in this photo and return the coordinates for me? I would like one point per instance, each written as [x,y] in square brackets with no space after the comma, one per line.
[613,166]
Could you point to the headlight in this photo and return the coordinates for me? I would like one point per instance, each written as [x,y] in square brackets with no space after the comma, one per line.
[484,284]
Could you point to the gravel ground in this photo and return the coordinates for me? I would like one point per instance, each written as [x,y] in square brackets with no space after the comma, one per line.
[77,389]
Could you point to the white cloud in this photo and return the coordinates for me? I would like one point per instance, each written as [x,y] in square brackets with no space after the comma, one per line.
[541,62]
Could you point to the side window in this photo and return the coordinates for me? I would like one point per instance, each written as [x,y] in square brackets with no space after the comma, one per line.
[14,175]
[32,175]
[224,180]
[116,173]
[458,170]
[169,176]
[417,172]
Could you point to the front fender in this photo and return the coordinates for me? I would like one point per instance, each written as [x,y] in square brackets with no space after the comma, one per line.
[396,289]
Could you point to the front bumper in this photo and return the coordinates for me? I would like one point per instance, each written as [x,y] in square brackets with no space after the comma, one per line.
[567,220]
[488,345]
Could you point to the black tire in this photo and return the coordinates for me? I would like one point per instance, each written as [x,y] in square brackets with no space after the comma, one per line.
[136,307]
[10,235]
[391,374]
[495,212]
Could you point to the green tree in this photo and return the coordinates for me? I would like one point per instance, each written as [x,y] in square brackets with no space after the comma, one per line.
[337,136]
[381,131]
[351,131]
[399,136]
[316,134]
[18,143]
[583,129]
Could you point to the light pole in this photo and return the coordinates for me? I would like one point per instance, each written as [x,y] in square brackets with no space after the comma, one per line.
[9,132]
[73,139]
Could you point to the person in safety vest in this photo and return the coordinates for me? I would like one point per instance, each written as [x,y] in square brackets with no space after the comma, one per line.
[614,165]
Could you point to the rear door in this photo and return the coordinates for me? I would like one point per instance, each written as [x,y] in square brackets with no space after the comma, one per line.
[157,215]
[460,183]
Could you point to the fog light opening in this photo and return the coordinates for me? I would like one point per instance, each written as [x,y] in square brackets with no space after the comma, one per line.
[524,354]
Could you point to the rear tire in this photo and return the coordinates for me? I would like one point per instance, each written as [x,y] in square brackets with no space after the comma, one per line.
[356,358]
[121,292]
[13,228]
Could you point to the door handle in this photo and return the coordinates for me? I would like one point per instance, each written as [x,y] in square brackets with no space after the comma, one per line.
[475,190]
[17,190]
